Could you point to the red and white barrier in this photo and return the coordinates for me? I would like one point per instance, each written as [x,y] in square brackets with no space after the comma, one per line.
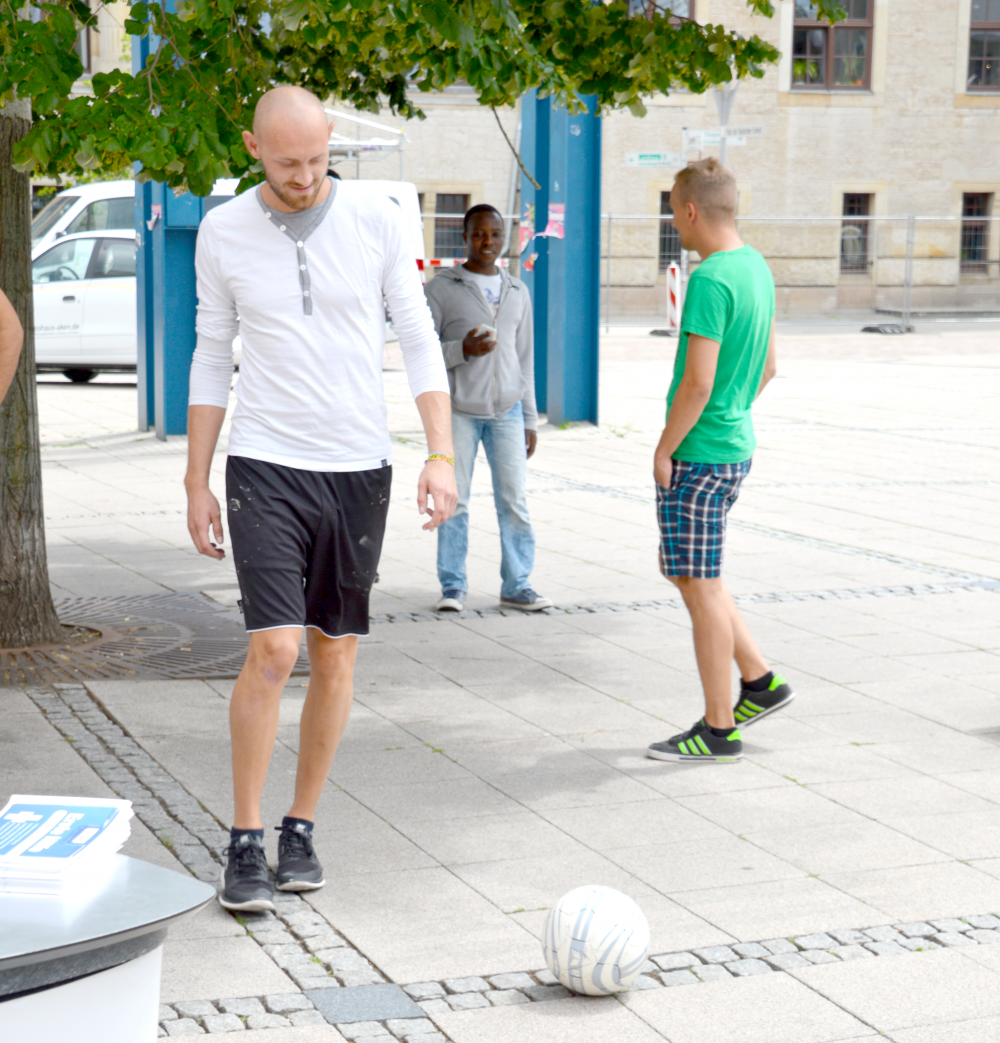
[675,297]
[449,262]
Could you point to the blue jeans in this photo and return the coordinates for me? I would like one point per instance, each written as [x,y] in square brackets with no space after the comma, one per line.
[503,441]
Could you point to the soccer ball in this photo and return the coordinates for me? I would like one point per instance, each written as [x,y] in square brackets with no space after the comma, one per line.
[595,940]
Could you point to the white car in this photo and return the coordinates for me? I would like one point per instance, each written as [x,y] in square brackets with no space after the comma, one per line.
[98,207]
[85,311]
[85,305]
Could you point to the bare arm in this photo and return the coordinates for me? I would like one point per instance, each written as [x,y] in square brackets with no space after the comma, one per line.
[770,363]
[11,339]
[437,479]
[692,396]
[204,425]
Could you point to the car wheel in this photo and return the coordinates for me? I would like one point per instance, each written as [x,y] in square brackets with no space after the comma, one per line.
[80,376]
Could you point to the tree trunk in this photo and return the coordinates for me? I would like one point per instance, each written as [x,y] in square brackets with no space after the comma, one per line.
[27,615]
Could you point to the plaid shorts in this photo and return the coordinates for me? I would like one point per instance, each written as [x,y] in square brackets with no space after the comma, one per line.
[692,516]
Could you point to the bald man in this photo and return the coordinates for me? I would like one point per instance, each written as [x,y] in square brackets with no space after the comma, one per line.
[301,267]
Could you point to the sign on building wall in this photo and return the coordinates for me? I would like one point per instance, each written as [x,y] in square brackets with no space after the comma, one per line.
[654,159]
[744,130]
[697,140]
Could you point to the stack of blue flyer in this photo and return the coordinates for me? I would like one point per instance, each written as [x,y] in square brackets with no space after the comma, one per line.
[51,845]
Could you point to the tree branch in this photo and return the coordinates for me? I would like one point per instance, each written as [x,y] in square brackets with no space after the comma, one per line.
[510,145]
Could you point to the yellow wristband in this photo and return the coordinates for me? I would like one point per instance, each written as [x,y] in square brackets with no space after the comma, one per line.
[440,456]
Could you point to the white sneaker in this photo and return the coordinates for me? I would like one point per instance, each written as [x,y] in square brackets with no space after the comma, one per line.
[527,601]
[451,601]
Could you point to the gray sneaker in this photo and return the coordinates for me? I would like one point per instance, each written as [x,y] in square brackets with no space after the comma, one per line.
[451,601]
[527,601]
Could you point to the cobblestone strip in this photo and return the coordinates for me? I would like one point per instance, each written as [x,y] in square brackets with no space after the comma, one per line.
[713,963]
[777,534]
[299,940]
[158,800]
[863,552]
[644,495]
[767,598]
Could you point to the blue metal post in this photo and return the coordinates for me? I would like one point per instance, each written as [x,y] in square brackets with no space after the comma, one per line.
[535,155]
[574,266]
[166,231]
[143,274]
[175,306]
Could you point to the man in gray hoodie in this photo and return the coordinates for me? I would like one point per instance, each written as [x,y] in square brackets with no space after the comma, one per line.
[483,317]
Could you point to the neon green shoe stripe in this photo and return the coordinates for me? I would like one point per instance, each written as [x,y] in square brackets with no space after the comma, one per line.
[682,746]
[747,705]
[701,742]
[778,679]
[741,714]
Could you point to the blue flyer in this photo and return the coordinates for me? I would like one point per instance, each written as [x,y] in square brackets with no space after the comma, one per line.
[53,831]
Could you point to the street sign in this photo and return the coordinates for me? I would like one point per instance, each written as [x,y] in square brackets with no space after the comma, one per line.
[654,159]
[744,130]
[708,138]
[697,140]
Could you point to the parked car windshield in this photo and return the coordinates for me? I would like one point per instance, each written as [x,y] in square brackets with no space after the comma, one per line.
[103,214]
[48,217]
[64,262]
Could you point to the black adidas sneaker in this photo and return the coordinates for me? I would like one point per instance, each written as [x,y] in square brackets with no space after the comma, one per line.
[751,706]
[699,744]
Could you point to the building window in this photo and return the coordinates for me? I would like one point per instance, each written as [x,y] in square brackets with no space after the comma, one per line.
[670,243]
[854,232]
[976,208]
[679,9]
[984,46]
[82,48]
[448,230]
[833,57]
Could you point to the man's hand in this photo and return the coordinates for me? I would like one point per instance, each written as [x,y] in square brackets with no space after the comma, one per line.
[437,481]
[530,441]
[204,514]
[481,344]
[663,465]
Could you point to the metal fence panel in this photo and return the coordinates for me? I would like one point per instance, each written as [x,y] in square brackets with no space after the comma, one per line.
[827,269]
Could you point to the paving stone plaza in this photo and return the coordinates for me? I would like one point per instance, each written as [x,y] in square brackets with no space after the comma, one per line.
[841,883]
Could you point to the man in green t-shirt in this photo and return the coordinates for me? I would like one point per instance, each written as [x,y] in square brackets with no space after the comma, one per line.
[725,357]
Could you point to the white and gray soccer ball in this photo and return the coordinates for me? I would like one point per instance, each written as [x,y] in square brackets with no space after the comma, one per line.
[596,940]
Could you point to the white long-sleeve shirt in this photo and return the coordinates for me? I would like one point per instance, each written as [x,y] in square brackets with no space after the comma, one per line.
[311,318]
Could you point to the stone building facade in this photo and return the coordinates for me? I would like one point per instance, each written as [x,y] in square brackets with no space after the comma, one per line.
[108,46]
[894,113]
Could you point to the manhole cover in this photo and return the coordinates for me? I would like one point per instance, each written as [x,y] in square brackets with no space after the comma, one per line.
[167,636]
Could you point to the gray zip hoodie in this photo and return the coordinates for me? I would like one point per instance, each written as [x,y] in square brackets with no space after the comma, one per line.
[486,386]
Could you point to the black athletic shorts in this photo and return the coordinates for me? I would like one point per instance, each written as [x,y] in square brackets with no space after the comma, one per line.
[306,544]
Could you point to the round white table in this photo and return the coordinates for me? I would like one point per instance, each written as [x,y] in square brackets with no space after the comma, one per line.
[86,967]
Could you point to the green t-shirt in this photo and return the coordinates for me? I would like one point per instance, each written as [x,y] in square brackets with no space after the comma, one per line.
[729,299]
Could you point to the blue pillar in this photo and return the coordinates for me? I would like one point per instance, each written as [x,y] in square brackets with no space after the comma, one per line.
[563,151]
[143,273]
[166,232]
[535,113]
